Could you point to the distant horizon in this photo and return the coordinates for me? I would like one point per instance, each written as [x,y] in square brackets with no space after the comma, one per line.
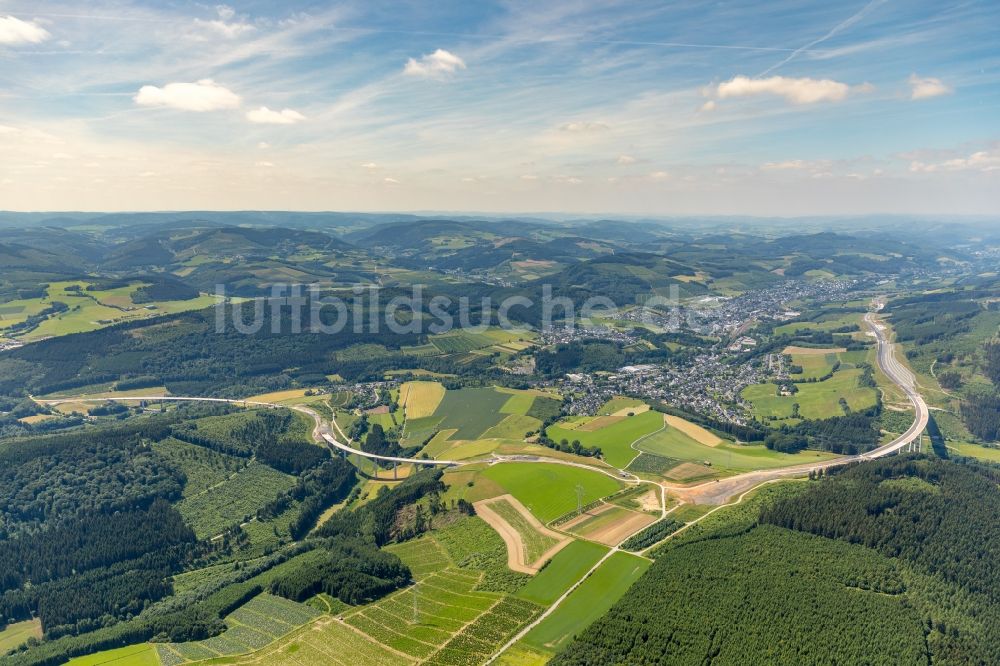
[559,216]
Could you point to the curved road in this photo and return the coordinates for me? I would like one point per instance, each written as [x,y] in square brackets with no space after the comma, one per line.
[712,492]
[717,492]
[321,432]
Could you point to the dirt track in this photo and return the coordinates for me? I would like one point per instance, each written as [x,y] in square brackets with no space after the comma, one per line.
[512,538]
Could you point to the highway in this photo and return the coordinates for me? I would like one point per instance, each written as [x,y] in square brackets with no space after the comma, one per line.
[711,492]
[321,433]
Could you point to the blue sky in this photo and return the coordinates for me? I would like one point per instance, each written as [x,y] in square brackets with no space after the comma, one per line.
[779,108]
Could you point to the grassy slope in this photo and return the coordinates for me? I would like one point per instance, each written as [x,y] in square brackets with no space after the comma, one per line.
[615,440]
[548,490]
[588,602]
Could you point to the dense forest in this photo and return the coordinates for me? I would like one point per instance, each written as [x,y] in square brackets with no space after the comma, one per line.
[847,435]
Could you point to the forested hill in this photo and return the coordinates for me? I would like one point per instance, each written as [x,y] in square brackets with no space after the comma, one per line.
[893,561]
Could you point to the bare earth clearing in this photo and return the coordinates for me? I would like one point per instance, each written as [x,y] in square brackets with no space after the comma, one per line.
[813,351]
[513,538]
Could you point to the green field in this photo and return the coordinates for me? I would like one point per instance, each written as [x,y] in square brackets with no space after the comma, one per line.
[816,400]
[143,654]
[567,567]
[548,490]
[535,544]
[471,411]
[515,426]
[616,439]
[588,602]
[90,310]
[813,366]
[827,322]
[987,453]
[14,635]
[672,443]
[518,403]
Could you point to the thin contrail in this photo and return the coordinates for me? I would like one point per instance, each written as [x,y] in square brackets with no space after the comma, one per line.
[843,25]
[432,33]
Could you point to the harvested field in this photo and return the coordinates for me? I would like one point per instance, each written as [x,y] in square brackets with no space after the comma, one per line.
[601,422]
[608,524]
[688,471]
[626,411]
[420,399]
[812,351]
[693,430]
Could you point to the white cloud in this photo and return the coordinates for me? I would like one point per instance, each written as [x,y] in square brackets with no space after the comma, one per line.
[390,181]
[223,26]
[262,164]
[708,106]
[626,160]
[263,145]
[924,88]
[983,160]
[205,95]
[15,31]
[369,165]
[584,126]
[796,91]
[267,116]
[659,175]
[786,165]
[439,63]
[529,176]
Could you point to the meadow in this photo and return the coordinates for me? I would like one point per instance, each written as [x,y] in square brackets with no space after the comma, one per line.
[588,602]
[568,566]
[549,490]
[816,400]
[15,634]
[826,322]
[615,439]
[726,457]
[608,524]
[814,366]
